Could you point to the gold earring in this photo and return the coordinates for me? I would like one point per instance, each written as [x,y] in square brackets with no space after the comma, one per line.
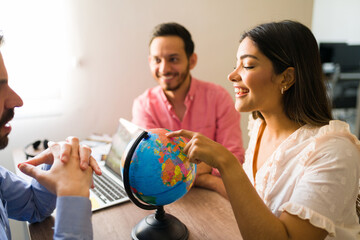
[283,89]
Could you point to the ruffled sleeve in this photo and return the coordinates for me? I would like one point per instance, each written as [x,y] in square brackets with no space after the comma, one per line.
[315,218]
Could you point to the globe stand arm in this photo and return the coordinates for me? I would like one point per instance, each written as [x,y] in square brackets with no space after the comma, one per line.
[160,213]
[128,157]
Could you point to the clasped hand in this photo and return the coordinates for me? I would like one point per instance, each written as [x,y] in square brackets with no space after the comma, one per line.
[71,170]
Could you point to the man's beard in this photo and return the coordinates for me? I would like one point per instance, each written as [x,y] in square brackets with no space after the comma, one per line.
[6,117]
[182,77]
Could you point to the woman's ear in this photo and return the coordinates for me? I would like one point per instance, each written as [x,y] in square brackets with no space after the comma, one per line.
[289,77]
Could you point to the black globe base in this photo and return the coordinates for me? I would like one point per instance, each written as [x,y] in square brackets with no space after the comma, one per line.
[160,226]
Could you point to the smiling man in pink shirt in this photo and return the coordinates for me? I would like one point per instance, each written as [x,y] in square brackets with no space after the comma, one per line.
[184,102]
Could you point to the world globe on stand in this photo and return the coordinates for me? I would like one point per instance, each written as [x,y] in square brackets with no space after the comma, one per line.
[157,172]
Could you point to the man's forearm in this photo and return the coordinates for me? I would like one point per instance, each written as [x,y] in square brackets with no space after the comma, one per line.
[211,182]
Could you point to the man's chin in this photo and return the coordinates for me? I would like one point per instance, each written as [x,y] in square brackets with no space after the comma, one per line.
[169,87]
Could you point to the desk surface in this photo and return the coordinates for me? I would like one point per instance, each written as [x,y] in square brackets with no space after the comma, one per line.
[205,213]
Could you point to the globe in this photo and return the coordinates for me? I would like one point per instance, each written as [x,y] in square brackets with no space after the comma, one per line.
[157,172]
[160,172]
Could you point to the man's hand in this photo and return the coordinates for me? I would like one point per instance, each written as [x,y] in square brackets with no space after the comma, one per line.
[65,178]
[65,149]
[203,168]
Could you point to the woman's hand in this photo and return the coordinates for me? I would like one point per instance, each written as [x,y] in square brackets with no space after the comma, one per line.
[202,149]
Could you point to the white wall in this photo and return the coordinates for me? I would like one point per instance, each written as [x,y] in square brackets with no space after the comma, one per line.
[107,55]
[336,21]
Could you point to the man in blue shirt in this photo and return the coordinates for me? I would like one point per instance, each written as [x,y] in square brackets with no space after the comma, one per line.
[63,182]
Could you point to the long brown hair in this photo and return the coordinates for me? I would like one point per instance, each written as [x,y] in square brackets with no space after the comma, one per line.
[291,44]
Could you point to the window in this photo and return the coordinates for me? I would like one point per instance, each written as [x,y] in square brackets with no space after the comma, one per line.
[34,52]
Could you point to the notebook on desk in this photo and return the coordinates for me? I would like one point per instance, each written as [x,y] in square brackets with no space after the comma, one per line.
[109,189]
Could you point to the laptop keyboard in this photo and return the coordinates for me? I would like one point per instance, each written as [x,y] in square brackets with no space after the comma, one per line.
[107,189]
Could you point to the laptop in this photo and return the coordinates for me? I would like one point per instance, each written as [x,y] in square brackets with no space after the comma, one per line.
[109,189]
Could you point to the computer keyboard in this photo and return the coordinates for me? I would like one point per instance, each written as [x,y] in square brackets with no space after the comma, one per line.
[107,189]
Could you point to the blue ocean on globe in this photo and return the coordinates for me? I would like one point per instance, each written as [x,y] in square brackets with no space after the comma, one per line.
[160,172]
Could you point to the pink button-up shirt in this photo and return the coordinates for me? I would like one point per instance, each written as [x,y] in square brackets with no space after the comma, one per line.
[209,110]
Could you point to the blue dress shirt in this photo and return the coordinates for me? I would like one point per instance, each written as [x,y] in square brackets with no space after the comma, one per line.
[24,201]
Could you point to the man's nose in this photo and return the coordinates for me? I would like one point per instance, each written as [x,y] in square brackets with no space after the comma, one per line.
[164,67]
[14,100]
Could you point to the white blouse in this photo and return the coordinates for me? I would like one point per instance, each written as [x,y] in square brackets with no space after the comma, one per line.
[313,174]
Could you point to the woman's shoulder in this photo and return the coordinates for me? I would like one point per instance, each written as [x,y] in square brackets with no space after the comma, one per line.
[339,130]
[333,141]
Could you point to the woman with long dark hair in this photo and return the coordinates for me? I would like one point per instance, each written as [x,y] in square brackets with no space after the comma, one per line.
[300,178]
